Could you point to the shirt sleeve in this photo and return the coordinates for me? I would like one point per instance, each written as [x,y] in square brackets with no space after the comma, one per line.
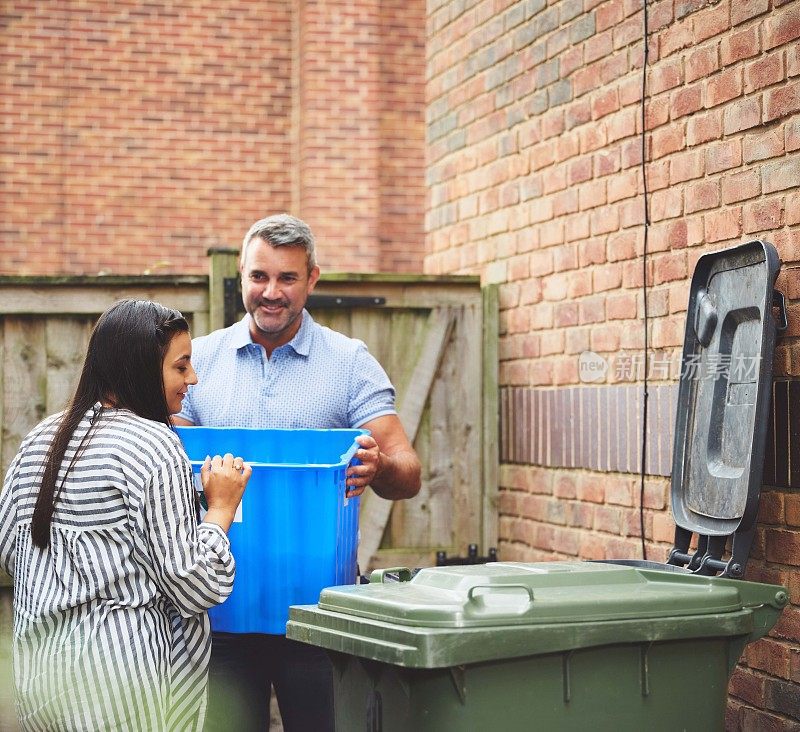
[8,519]
[371,394]
[193,564]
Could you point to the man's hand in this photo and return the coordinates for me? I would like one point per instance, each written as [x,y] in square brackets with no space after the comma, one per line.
[391,467]
[360,476]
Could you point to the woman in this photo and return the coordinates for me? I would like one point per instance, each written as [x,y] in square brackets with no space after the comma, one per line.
[98,527]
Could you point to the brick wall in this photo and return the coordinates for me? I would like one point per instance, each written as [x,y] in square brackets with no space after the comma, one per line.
[361,161]
[136,135]
[535,173]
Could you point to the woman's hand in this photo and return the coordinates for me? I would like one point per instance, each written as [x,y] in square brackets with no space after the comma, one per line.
[224,479]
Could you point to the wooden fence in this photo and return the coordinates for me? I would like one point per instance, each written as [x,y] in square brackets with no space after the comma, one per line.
[435,336]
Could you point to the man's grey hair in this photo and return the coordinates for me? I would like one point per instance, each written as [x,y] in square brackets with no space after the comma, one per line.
[282,230]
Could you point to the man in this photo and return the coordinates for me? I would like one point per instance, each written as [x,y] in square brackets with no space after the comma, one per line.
[277,368]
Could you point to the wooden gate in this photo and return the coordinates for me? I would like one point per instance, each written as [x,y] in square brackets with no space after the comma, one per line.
[435,336]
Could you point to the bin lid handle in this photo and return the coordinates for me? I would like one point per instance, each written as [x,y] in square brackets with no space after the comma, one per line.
[496,588]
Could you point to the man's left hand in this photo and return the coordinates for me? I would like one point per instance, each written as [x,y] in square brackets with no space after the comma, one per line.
[360,476]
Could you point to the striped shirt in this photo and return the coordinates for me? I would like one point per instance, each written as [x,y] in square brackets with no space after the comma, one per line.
[110,628]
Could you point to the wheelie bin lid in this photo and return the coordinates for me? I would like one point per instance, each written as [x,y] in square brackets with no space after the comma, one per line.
[447,616]
[724,390]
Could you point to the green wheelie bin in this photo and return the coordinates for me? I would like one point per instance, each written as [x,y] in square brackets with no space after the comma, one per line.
[546,646]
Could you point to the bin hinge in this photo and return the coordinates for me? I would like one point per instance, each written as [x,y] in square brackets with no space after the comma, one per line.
[708,559]
[779,303]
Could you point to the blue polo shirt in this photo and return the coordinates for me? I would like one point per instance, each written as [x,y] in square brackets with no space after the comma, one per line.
[321,379]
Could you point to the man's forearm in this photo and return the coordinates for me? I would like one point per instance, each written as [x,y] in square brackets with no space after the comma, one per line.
[398,476]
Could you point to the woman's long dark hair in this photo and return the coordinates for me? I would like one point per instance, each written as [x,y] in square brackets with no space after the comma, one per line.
[123,367]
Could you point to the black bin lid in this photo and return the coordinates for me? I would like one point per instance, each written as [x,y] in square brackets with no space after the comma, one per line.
[724,391]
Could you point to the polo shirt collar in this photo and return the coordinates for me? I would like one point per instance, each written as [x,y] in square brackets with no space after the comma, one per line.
[301,343]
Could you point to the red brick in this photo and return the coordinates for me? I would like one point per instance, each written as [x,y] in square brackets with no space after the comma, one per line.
[578,113]
[591,310]
[663,528]
[667,140]
[764,72]
[741,186]
[739,46]
[762,145]
[658,175]
[622,124]
[565,258]
[781,102]
[788,625]
[554,287]
[664,76]
[660,15]
[592,195]
[782,27]
[793,135]
[675,38]
[703,195]
[792,509]
[605,103]
[608,520]
[724,86]
[770,507]
[701,63]
[621,307]
[783,547]
[742,115]
[743,10]
[576,228]
[747,686]
[591,488]
[686,166]
[756,720]
[577,340]
[723,156]
[712,22]
[669,267]
[670,235]
[593,137]
[763,216]
[565,315]
[770,656]
[580,170]
[604,220]
[780,175]
[793,60]
[704,127]
[686,101]
[625,185]
[723,225]
[608,15]
[607,278]
[607,161]
[666,204]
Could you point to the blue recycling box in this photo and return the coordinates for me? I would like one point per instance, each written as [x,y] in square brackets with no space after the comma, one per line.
[295,532]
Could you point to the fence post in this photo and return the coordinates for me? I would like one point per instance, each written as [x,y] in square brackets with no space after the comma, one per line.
[224,266]
[490,295]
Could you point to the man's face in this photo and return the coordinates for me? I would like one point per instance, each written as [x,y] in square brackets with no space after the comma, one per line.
[275,286]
